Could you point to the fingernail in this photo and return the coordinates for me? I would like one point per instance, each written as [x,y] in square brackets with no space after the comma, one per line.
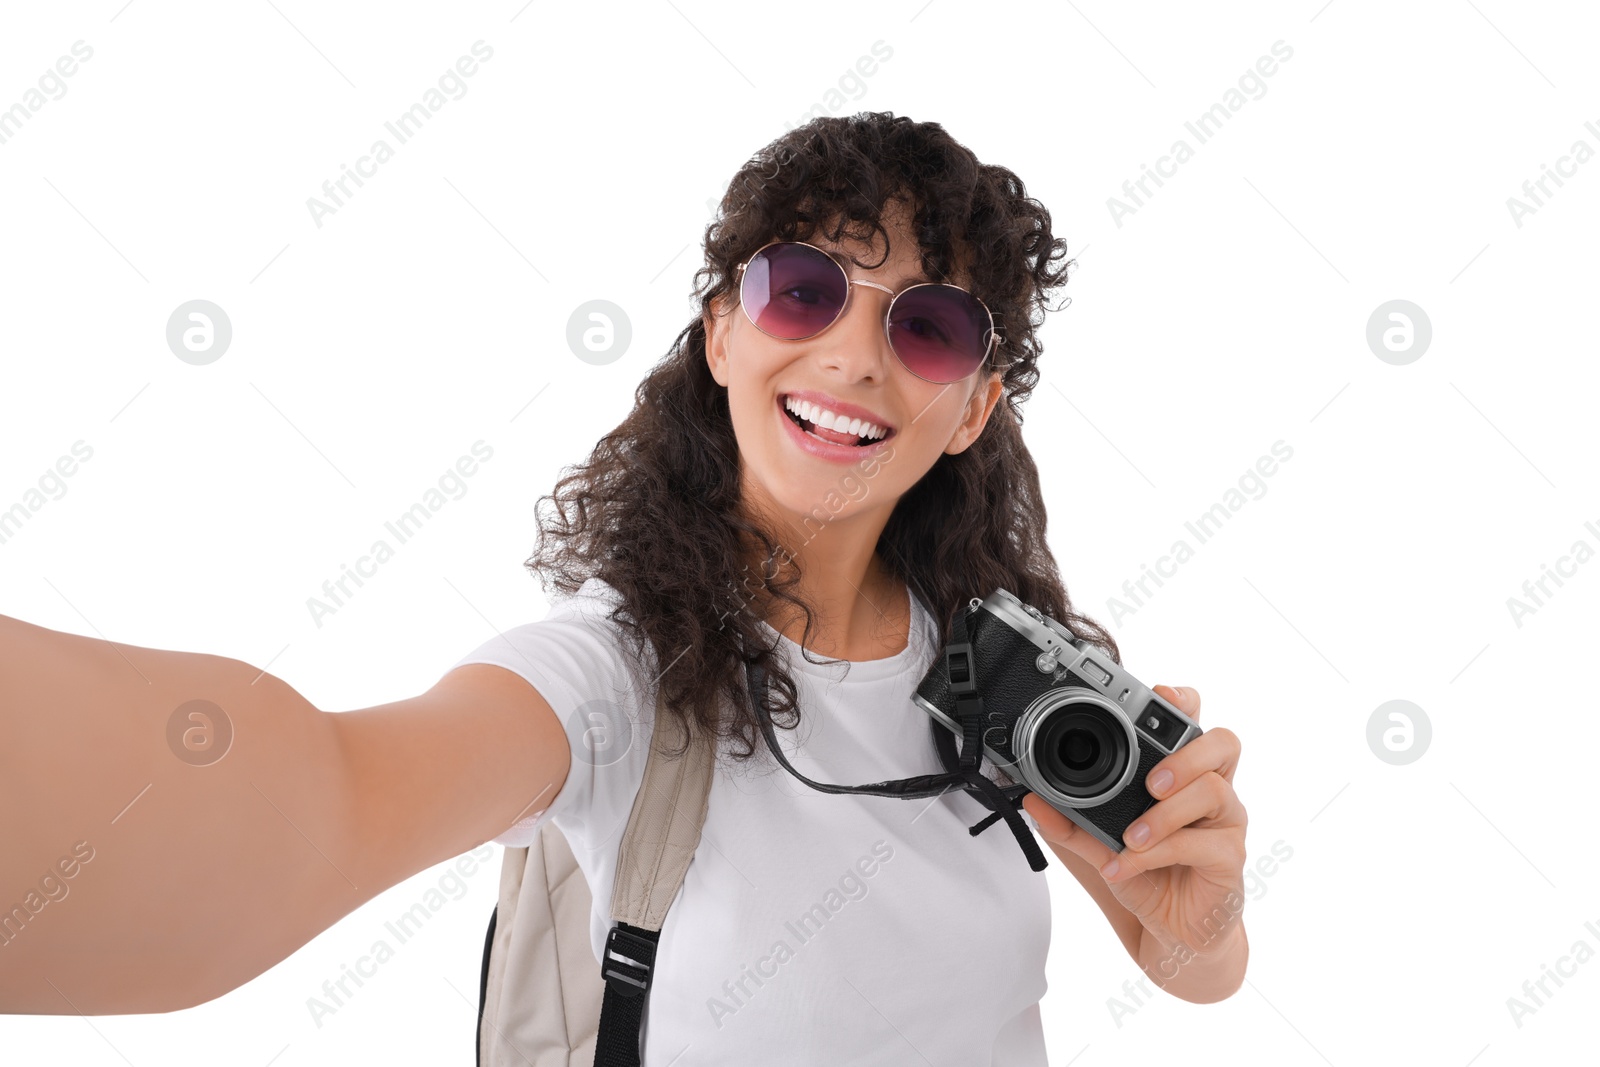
[1137,833]
[1160,782]
[1110,869]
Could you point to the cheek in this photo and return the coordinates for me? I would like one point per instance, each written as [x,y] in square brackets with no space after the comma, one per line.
[748,405]
[933,430]
[752,408]
[753,361]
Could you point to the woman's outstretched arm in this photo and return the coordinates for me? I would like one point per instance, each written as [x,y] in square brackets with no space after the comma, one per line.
[172,824]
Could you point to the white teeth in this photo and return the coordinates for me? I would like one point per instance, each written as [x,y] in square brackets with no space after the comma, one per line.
[827,420]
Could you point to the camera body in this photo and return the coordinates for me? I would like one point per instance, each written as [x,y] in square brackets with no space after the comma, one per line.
[1060,717]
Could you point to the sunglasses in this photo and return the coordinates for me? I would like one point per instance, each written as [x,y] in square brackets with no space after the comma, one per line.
[792,290]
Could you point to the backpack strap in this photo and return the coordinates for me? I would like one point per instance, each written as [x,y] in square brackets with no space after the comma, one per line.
[657,848]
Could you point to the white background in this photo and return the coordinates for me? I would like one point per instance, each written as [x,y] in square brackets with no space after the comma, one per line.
[1227,313]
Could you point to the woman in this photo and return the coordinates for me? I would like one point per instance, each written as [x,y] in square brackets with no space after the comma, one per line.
[802,482]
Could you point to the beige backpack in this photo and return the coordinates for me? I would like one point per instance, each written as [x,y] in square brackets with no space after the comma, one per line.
[542,1000]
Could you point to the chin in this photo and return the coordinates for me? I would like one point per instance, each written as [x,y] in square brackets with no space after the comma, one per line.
[813,500]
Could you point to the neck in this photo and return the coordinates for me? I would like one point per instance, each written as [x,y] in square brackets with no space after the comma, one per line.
[859,610]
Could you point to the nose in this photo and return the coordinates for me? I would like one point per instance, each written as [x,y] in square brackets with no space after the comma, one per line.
[857,345]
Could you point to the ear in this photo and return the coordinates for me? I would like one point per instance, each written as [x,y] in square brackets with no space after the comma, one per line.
[977,414]
[716,327]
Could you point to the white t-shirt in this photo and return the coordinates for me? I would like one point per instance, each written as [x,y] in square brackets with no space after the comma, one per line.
[811,927]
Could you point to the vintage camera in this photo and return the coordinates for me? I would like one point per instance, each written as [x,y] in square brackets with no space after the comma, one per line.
[1059,717]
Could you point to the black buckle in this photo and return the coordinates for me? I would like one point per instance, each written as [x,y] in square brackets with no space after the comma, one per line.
[632,971]
[958,667]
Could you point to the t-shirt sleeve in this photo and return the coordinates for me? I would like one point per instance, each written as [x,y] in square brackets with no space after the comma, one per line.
[576,658]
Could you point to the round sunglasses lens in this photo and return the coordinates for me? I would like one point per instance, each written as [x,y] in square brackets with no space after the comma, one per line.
[792,291]
[940,332]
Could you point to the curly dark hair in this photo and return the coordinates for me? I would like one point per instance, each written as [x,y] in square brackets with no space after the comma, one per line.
[655,510]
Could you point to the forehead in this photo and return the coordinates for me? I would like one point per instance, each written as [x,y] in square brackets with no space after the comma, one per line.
[862,256]
[858,239]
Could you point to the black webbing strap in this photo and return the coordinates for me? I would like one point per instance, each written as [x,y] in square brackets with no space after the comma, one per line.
[966,774]
[923,785]
[630,958]
[945,743]
[959,668]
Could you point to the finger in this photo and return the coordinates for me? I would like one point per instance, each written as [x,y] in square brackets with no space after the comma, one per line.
[1215,750]
[1217,853]
[1062,832]
[1183,698]
[1206,802]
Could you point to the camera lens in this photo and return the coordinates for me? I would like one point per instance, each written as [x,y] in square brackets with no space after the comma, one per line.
[1080,750]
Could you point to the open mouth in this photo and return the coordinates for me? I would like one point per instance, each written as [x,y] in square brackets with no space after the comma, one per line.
[869,435]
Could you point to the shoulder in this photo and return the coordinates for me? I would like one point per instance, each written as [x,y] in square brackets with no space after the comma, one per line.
[582,662]
[580,656]
[579,647]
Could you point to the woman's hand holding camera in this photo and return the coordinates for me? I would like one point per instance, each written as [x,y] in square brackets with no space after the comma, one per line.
[1182,870]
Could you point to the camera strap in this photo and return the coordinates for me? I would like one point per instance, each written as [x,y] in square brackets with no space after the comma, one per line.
[965,773]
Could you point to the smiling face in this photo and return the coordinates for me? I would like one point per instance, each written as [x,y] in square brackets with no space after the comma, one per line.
[851,370]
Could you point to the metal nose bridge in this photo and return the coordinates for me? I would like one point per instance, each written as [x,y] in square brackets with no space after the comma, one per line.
[875,285]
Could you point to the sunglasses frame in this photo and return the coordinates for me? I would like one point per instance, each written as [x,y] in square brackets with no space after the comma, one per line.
[994,342]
